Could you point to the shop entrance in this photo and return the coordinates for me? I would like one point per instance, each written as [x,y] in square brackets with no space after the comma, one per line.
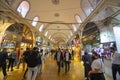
[17,36]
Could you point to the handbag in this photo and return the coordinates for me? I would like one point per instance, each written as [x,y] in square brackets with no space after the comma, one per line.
[97,76]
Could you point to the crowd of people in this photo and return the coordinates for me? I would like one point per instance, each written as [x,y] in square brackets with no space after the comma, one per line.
[33,58]
[93,64]
[94,68]
[63,58]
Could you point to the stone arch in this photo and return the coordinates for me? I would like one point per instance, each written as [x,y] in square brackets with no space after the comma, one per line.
[19,33]
[90,32]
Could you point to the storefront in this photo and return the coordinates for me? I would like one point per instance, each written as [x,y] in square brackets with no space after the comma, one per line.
[17,36]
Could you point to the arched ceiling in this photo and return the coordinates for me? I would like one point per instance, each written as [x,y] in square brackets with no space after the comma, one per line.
[58,14]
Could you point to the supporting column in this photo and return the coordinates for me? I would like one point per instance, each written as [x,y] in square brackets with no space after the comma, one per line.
[116,30]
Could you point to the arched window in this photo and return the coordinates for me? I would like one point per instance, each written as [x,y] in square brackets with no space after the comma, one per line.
[23,8]
[95,2]
[49,36]
[41,28]
[35,20]
[86,6]
[74,28]
[46,33]
[78,19]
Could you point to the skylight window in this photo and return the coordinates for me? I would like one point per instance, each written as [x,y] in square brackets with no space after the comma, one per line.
[74,28]
[41,28]
[78,19]
[23,8]
[87,7]
[46,33]
[49,36]
[35,20]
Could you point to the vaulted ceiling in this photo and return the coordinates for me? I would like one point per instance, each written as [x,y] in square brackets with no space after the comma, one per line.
[55,15]
[60,19]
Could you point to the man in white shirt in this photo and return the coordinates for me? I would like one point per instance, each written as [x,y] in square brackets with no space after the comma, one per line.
[115,62]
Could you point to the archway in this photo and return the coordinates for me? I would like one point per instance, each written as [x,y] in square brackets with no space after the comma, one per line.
[17,35]
[90,36]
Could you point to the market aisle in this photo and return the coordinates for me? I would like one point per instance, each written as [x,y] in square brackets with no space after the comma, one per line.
[50,72]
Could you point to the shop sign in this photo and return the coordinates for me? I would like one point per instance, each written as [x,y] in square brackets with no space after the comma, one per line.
[27,40]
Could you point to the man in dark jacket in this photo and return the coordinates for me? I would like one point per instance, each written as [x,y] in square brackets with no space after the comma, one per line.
[58,58]
[25,56]
[87,60]
[4,55]
[32,63]
[67,58]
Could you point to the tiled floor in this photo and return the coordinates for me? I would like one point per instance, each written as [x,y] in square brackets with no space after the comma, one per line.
[50,72]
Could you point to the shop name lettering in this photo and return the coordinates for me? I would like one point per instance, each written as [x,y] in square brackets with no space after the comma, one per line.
[27,40]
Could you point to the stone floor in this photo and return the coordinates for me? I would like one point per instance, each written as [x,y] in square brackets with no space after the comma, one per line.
[50,72]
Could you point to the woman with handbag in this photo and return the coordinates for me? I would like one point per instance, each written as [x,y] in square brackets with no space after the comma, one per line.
[97,72]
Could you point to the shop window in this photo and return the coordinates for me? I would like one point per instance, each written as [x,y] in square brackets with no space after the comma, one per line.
[23,8]
[35,20]
[86,6]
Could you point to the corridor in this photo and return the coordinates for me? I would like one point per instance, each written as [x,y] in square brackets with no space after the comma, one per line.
[50,72]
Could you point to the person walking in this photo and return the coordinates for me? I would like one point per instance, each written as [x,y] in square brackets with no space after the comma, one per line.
[67,57]
[25,57]
[97,72]
[87,60]
[62,61]
[4,56]
[115,62]
[41,58]
[32,62]
[12,58]
[58,58]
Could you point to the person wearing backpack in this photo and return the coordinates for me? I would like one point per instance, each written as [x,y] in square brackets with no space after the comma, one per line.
[3,57]
[32,62]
